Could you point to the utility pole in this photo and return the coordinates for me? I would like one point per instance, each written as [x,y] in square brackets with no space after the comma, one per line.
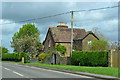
[72,24]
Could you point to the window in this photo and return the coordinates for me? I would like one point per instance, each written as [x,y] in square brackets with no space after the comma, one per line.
[49,43]
[89,42]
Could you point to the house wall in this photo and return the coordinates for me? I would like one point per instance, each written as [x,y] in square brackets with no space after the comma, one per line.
[68,47]
[59,59]
[77,45]
[85,42]
[46,44]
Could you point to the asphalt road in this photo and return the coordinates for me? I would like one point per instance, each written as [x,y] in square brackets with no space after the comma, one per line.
[11,70]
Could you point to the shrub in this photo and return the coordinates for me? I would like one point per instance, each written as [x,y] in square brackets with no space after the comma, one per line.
[61,48]
[98,45]
[15,57]
[35,55]
[26,57]
[48,55]
[90,58]
[42,57]
[3,50]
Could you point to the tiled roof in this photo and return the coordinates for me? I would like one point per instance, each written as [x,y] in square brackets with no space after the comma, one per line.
[64,34]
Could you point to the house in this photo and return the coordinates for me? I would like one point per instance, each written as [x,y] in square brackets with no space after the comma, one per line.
[62,35]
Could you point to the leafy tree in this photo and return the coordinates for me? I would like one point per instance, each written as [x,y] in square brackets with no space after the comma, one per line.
[99,34]
[61,48]
[3,50]
[99,45]
[27,40]
[103,43]
[115,45]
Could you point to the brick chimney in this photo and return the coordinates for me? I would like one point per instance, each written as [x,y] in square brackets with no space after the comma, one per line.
[62,25]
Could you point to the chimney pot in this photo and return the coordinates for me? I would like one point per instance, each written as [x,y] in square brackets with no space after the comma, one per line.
[62,25]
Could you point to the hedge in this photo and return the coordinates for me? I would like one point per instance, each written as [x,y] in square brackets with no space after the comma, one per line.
[90,58]
[15,57]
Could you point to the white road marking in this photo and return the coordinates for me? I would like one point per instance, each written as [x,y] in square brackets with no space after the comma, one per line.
[54,71]
[17,73]
[6,68]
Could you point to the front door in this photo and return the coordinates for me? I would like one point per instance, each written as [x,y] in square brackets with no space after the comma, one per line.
[54,58]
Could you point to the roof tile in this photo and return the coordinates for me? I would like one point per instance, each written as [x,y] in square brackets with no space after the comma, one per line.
[64,34]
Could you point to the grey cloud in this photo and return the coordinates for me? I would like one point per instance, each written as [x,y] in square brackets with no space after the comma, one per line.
[27,10]
[23,11]
[9,29]
[17,11]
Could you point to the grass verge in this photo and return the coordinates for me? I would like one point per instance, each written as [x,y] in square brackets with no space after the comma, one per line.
[110,71]
[10,62]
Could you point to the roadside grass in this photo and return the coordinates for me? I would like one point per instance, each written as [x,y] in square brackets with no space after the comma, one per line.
[110,71]
[10,62]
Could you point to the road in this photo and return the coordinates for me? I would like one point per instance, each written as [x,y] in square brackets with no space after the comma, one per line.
[11,70]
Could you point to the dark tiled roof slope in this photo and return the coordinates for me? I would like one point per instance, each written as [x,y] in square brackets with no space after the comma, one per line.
[64,34]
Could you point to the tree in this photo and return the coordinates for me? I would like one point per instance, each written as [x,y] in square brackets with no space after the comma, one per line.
[99,34]
[115,45]
[3,50]
[27,40]
[99,45]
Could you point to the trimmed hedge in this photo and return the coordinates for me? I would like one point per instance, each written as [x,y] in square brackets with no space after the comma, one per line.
[90,58]
[15,57]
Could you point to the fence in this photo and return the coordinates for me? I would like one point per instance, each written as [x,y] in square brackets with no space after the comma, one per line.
[114,60]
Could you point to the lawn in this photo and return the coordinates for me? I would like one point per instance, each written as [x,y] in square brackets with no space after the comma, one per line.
[110,71]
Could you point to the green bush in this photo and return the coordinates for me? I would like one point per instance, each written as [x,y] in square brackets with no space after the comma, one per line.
[99,45]
[15,57]
[34,56]
[61,48]
[42,57]
[90,58]
[48,55]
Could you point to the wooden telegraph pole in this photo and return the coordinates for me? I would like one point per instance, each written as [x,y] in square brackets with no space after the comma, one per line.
[72,24]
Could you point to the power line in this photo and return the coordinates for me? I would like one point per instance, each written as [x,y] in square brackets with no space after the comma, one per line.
[96,9]
[38,18]
[72,22]
[61,14]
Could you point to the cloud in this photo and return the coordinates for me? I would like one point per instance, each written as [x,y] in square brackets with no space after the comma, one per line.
[13,12]
[9,29]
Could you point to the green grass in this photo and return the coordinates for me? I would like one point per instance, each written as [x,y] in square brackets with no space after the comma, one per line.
[110,71]
[96,70]
[10,62]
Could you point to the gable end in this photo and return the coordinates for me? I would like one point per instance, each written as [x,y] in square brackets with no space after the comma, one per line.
[92,34]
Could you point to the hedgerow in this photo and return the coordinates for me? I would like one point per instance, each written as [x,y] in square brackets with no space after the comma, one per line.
[15,57]
[90,58]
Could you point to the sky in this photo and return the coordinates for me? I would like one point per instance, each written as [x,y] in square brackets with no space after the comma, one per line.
[12,12]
